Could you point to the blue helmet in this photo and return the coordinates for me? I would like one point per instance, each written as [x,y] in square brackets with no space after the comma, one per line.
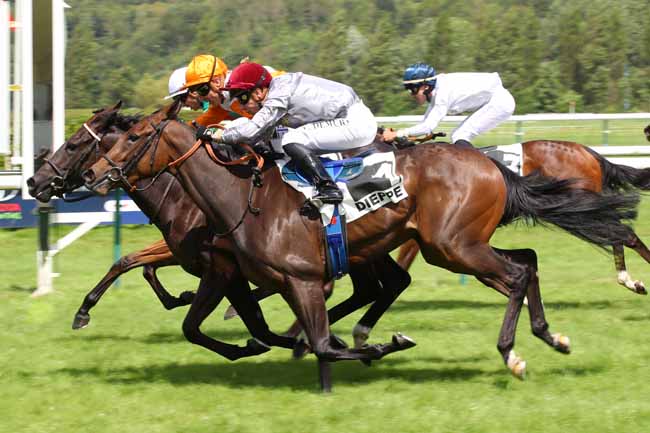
[418,74]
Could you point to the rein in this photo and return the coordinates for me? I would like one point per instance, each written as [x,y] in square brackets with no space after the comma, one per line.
[60,180]
[118,174]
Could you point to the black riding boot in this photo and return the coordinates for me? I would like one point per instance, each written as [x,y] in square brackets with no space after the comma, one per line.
[313,169]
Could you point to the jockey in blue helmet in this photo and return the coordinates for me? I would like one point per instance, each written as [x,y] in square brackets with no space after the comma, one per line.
[480,93]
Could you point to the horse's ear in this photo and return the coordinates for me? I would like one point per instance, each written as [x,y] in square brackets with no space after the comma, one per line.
[174,108]
[117,106]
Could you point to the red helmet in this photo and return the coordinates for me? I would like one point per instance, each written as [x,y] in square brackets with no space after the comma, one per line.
[248,76]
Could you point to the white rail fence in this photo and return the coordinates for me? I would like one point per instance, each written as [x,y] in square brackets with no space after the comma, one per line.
[634,156]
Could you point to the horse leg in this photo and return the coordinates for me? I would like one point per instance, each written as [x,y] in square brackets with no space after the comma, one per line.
[407,254]
[295,329]
[380,283]
[394,280]
[157,254]
[482,261]
[240,294]
[166,299]
[307,301]
[259,294]
[528,257]
[635,243]
[207,297]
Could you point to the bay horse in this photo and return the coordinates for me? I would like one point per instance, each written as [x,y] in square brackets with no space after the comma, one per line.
[186,233]
[570,160]
[188,239]
[60,174]
[457,198]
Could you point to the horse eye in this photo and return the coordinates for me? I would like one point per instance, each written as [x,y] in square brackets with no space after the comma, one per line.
[71,146]
[133,137]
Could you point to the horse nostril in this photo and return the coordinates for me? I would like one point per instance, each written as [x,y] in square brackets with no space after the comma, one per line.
[31,182]
[88,176]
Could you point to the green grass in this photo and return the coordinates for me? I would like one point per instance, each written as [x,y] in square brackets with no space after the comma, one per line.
[132,371]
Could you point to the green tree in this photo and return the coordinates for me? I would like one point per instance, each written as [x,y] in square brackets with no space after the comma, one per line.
[82,80]
[331,62]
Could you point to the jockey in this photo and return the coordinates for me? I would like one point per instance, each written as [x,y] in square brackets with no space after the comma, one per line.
[177,89]
[456,93]
[321,115]
[204,77]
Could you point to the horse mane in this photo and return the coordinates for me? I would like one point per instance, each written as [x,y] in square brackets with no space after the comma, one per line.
[125,122]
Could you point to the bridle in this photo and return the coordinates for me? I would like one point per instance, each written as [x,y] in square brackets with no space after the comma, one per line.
[118,174]
[60,181]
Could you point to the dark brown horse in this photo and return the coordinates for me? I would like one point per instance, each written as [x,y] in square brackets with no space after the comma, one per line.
[186,233]
[187,237]
[457,198]
[569,160]
[61,174]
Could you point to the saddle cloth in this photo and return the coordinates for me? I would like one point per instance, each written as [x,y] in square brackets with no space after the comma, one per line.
[509,155]
[367,183]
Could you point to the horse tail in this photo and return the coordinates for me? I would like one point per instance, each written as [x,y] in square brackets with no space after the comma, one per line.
[590,216]
[618,177]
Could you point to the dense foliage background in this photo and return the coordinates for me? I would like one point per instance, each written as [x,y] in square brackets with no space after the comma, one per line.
[594,53]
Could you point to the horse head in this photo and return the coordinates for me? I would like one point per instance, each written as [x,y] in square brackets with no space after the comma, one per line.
[61,172]
[138,153]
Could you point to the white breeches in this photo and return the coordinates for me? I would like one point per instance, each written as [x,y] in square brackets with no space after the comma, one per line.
[357,129]
[499,108]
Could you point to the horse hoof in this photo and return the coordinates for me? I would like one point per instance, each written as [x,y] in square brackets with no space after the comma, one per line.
[561,343]
[366,362]
[403,342]
[230,313]
[300,349]
[516,365]
[337,342]
[80,321]
[186,297]
[360,333]
[257,347]
[639,288]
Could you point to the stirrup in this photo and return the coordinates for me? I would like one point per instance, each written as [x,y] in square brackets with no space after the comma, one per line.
[328,194]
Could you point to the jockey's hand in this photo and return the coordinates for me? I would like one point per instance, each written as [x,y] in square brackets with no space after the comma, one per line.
[209,134]
[389,135]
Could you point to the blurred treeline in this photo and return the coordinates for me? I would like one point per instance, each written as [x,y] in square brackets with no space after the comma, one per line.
[594,54]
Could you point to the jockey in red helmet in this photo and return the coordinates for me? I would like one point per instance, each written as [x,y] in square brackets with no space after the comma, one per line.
[322,116]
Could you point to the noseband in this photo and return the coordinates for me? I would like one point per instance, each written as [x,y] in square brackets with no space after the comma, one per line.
[60,181]
[118,174]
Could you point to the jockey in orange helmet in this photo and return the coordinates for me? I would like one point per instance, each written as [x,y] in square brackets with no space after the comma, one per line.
[204,77]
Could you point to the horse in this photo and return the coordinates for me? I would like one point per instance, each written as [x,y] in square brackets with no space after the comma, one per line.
[60,174]
[188,239]
[187,235]
[456,199]
[570,160]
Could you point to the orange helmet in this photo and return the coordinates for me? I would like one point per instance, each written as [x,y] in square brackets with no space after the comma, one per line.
[202,68]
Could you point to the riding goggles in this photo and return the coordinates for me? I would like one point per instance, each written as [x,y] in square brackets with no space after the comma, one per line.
[412,88]
[243,96]
[201,89]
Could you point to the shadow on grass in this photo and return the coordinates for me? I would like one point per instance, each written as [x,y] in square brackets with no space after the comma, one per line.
[578,371]
[20,289]
[640,318]
[297,375]
[237,337]
[460,304]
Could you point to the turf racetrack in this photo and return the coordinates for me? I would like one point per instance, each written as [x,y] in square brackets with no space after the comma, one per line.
[132,371]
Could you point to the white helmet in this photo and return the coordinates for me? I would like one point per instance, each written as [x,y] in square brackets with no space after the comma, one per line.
[176,83]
